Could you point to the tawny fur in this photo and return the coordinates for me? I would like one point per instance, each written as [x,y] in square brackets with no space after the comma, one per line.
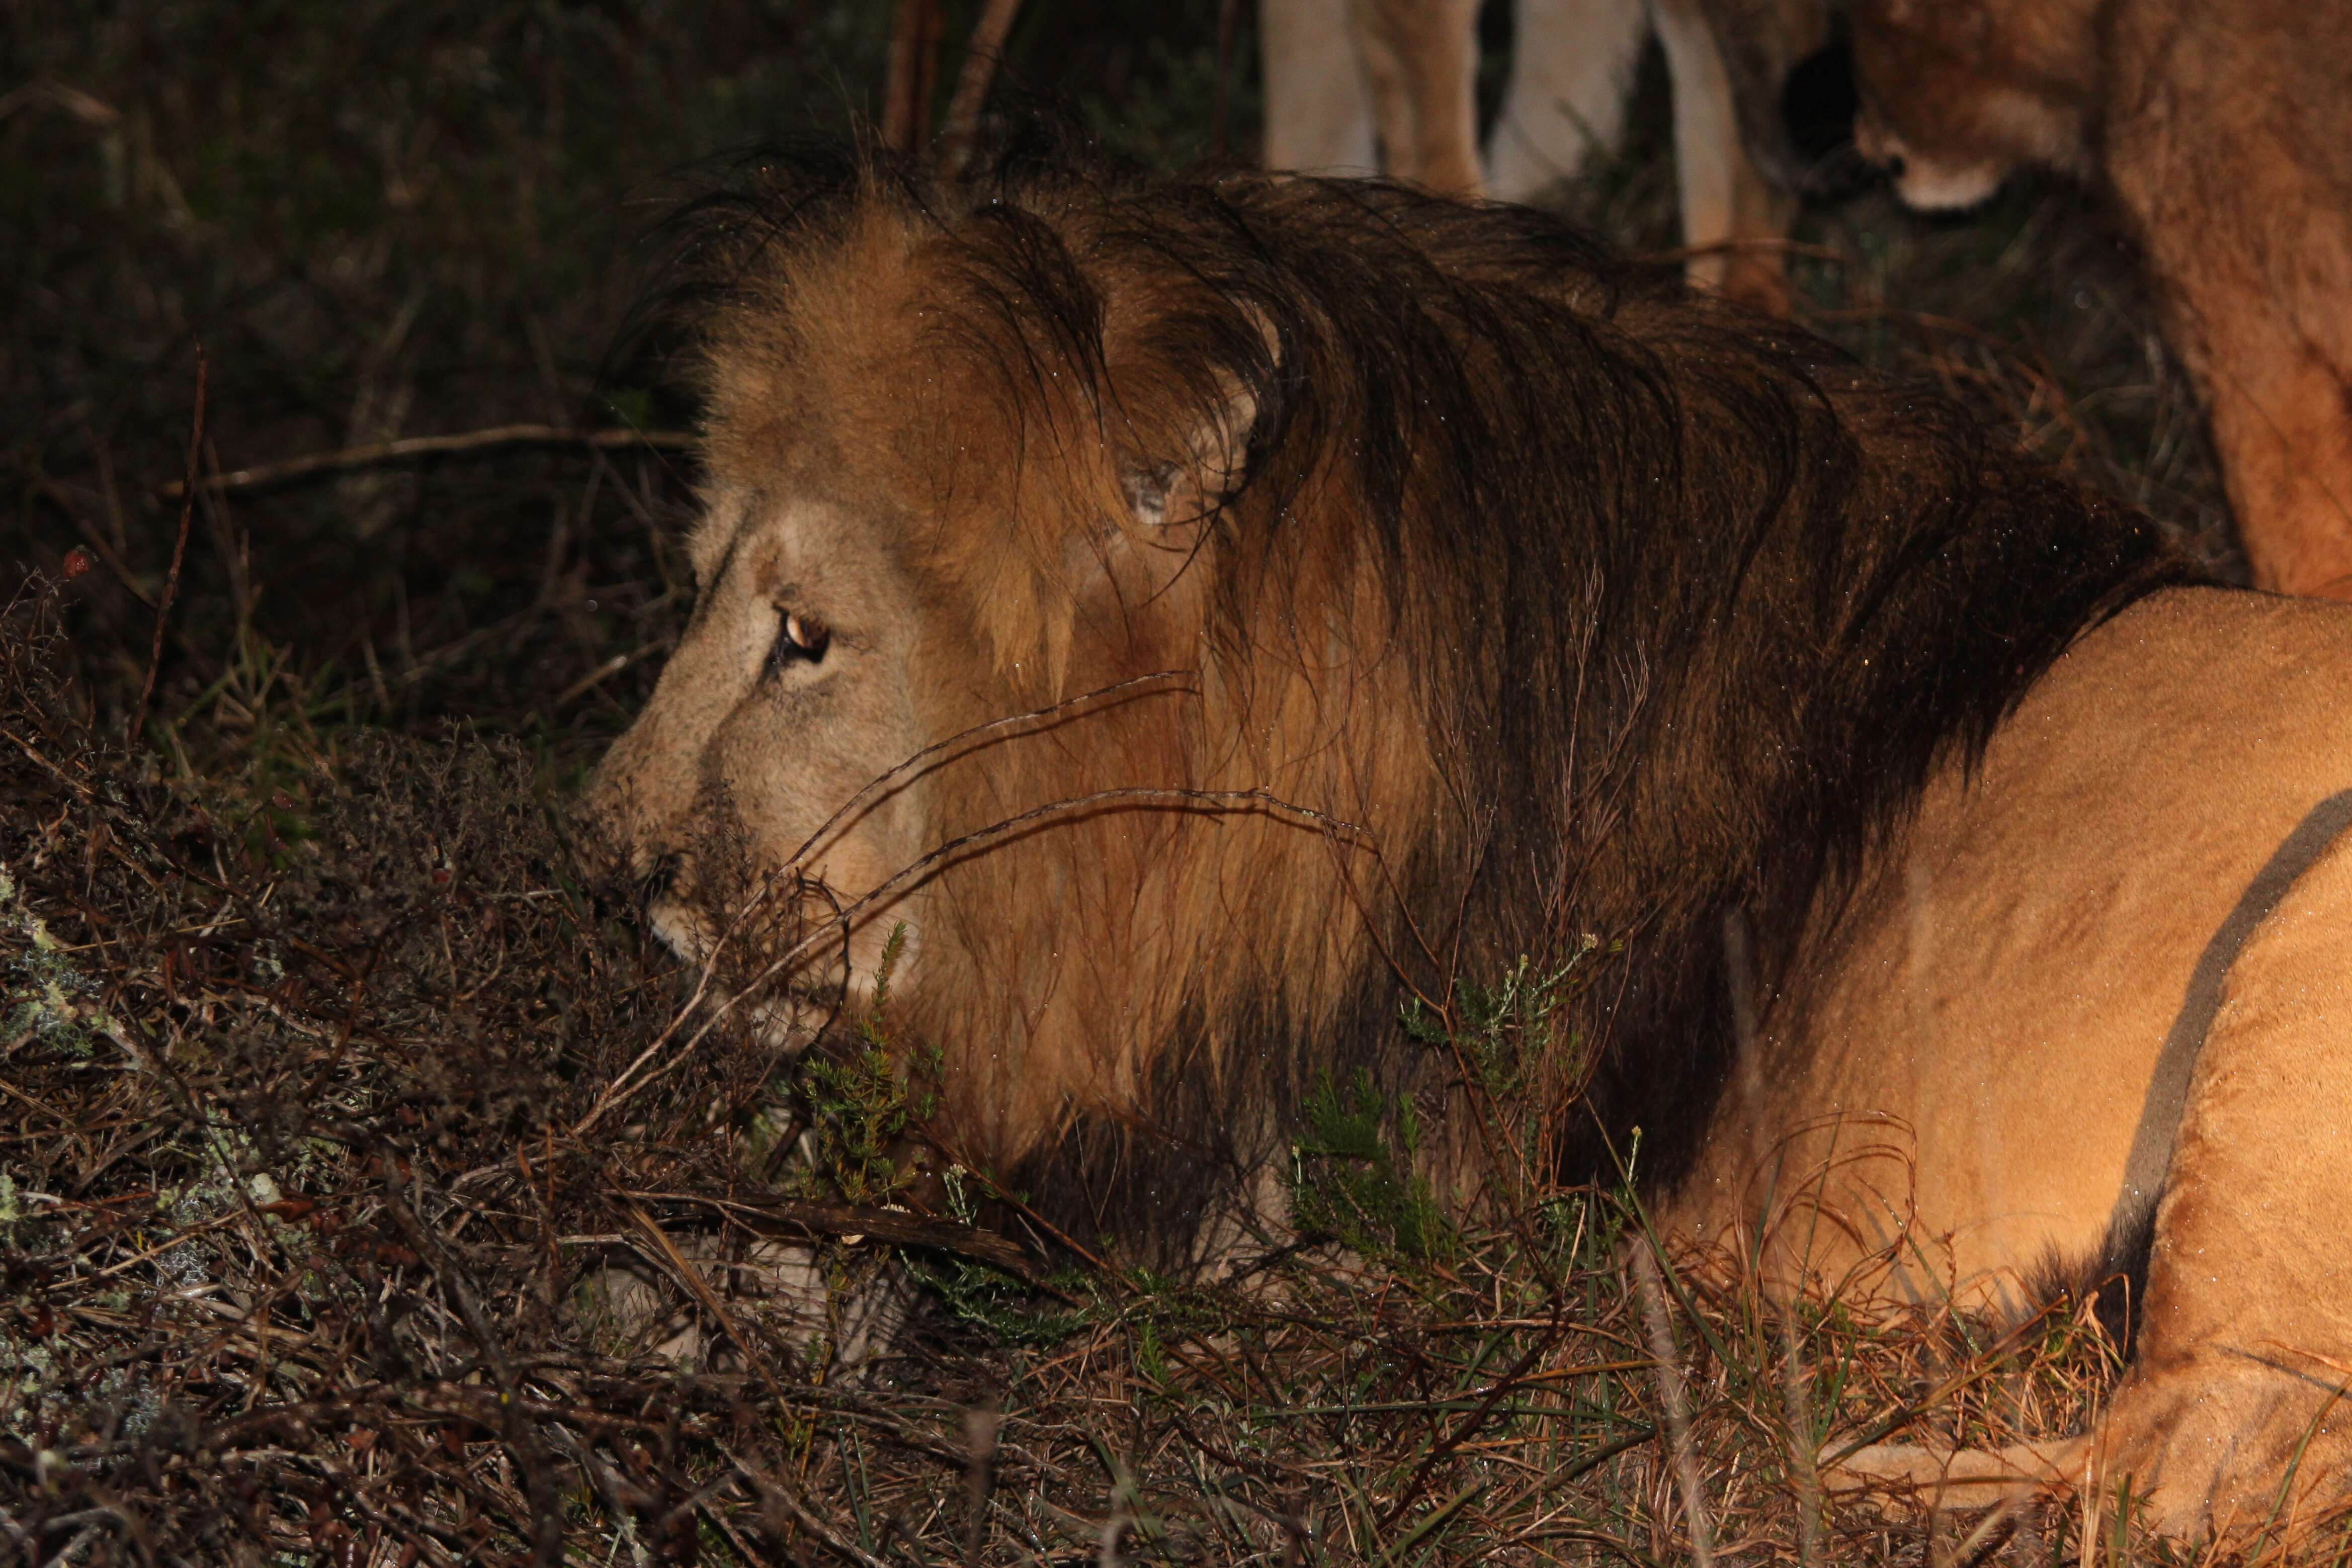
[2223,134]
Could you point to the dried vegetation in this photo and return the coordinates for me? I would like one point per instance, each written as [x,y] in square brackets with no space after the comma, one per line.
[327,1237]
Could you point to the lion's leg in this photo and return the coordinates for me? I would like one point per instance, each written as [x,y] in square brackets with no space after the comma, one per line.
[2245,1345]
[1318,113]
[1757,272]
[2234,1401]
[2233,1405]
[1968,1479]
[1571,72]
[1420,59]
[1732,217]
[2282,416]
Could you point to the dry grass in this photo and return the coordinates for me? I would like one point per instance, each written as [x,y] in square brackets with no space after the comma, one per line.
[309,1257]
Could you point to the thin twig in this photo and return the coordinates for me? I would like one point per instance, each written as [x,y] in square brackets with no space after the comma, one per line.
[603,673]
[613,1091]
[1515,1378]
[980,57]
[416,448]
[799,857]
[105,552]
[773,1486]
[1802,1465]
[1676,1404]
[179,552]
[1219,803]
[790,871]
[699,1288]
[530,1454]
[811,1219]
[1981,1366]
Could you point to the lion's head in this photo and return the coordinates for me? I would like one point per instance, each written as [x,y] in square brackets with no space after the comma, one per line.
[1203,615]
[1956,95]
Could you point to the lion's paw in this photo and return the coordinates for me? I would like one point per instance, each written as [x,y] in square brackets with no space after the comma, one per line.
[2200,1450]
[2225,1444]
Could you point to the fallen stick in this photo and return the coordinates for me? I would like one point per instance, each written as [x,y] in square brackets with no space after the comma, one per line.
[802,1217]
[416,447]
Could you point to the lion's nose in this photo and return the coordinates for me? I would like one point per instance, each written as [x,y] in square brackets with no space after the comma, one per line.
[660,877]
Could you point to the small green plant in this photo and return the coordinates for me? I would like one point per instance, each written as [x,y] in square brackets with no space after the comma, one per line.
[863,1103]
[1352,1175]
[1513,1042]
[994,1300]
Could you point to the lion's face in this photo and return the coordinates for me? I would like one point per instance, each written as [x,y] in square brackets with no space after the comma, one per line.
[950,675]
[1956,95]
[790,693]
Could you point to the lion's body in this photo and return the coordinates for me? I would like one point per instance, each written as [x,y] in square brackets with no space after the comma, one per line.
[1509,593]
[2112,962]
[2045,911]
[2224,135]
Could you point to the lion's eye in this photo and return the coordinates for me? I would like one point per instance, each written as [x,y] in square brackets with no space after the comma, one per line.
[801,640]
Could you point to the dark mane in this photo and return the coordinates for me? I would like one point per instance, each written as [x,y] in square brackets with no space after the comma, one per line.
[1698,605]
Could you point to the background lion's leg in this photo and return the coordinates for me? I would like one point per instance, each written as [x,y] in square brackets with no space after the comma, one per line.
[1572,73]
[2245,1344]
[1731,217]
[1420,59]
[1319,115]
[2282,413]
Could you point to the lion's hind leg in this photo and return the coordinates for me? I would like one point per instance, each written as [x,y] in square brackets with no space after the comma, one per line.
[2234,1414]
[2234,1408]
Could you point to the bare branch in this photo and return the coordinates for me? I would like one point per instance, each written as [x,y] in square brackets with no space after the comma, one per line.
[799,856]
[416,448]
[179,553]
[980,61]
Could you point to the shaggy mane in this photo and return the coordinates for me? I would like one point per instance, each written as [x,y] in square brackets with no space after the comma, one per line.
[1690,606]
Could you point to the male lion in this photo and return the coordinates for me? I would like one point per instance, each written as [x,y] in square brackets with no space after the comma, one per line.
[2224,133]
[1200,615]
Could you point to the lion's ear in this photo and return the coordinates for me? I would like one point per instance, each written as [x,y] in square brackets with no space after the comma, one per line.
[1186,432]
[1189,479]
[1137,572]
[1133,558]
